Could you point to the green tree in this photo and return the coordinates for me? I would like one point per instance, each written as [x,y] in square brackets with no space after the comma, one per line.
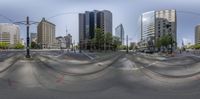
[34,45]
[108,40]
[3,45]
[165,41]
[197,46]
[100,38]
[19,46]
[116,42]
[158,43]
[122,47]
[93,41]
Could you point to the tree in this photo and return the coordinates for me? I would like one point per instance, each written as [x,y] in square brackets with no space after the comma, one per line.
[108,40]
[99,37]
[34,45]
[196,46]
[19,46]
[116,42]
[122,47]
[93,41]
[158,43]
[165,41]
[3,45]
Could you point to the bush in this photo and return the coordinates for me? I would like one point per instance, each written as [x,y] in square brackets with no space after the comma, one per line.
[19,46]
[3,45]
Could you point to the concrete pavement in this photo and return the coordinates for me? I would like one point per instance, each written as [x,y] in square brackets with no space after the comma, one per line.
[126,77]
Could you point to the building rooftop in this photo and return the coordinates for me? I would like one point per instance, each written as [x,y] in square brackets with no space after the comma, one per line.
[44,20]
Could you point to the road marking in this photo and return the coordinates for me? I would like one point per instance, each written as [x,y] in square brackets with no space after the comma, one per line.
[88,55]
[198,77]
[60,79]
[11,82]
[100,64]
[152,64]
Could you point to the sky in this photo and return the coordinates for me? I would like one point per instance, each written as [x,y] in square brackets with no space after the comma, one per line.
[64,13]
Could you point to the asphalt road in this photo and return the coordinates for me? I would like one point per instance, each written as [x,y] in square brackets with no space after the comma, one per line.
[67,75]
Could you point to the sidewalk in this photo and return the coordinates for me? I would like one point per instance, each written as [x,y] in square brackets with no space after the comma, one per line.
[157,56]
[188,54]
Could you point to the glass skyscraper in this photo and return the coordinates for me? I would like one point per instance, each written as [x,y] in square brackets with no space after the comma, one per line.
[119,32]
[155,24]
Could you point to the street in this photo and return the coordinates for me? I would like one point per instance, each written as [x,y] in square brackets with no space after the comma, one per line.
[113,75]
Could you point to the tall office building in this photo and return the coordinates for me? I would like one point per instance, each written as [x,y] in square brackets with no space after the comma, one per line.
[166,23]
[9,33]
[90,21]
[81,29]
[147,31]
[155,24]
[197,34]
[46,34]
[107,21]
[119,32]
[148,25]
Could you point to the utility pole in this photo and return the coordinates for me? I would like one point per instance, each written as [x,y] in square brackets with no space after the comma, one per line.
[126,43]
[27,35]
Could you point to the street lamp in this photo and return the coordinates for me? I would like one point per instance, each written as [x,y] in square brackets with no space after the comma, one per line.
[27,38]
[27,23]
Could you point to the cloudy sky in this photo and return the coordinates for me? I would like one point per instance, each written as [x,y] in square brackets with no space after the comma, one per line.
[64,13]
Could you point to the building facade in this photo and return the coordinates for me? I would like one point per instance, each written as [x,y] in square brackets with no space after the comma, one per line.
[68,40]
[82,35]
[61,42]
[22,41]
[9,33]
[33,37]
[90,21]
[107,19]
[166,24]
[148,31]
[197,34]
[119,32]
[155,24]
[46,34]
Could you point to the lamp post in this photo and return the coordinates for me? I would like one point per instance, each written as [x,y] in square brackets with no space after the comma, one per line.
[27,38]
[27,23]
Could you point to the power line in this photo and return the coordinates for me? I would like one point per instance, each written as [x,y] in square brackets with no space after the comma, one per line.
[7,18]
[61,14]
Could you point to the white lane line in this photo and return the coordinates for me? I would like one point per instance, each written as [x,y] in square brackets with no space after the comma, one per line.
[130,66]
[136,68]
[152,64]
[88,55]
